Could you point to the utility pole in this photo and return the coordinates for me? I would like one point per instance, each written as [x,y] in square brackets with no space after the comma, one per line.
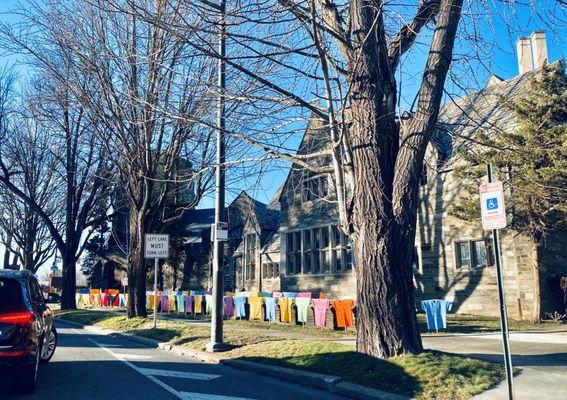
[502,303]
[216,343]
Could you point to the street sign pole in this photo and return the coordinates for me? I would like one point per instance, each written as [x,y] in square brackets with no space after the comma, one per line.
[502,301]
[216,342]
[156,262]
[156,246]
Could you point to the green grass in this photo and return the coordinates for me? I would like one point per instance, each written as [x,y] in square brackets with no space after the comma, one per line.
[463,323]
[430,375]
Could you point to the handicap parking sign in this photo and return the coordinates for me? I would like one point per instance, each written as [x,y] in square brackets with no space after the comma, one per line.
[492,203]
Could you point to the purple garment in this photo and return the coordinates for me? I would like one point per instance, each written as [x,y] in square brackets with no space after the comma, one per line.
[164,303]
[228,307]
[188,304]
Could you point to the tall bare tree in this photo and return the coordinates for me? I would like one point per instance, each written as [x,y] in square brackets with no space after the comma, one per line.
[32,162]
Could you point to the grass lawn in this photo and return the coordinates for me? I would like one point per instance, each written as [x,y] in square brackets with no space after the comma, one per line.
[463,323]
[430,375]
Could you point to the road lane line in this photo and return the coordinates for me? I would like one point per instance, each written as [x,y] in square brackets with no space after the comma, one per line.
[179,374]
[206,396]
[171,390]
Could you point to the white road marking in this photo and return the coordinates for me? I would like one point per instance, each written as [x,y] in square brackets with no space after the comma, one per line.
[206,396]
[171,390]
[178,374]
[132,356]
[110,345]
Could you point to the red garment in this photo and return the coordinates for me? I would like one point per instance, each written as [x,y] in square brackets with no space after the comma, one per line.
[343,312]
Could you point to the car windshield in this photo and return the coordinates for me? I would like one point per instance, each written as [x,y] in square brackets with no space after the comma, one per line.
[11,296]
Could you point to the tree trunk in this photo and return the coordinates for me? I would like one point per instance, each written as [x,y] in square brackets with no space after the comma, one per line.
[6,262]
[536,313]
[69,280]
[136,268]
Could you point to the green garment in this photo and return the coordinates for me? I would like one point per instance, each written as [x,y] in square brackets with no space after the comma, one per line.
[302,304]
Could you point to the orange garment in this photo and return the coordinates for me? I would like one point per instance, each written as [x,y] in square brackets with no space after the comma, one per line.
[343,312]
[151,299]
[256,307]
[322,295]
[285,308]
[198,308]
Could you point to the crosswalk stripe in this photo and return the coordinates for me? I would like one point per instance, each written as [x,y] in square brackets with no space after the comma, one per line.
[178,374]
[207,396]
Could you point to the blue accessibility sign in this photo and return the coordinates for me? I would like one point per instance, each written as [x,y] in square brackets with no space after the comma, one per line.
[492,203]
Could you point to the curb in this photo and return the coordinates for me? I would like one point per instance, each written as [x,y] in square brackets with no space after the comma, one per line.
[329,383]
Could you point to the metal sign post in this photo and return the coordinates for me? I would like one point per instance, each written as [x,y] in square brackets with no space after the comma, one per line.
[493,218]
[156,246]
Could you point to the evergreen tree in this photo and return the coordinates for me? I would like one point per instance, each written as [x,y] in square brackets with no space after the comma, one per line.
[532,163]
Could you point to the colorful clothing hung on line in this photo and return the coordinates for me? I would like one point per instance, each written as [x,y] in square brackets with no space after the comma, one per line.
[436,313]
[304,295]
[240,307]
[343,312]
[180,303]
[171,302]
[302,304]
[320,307]
[285,308]
[228,306]
[188,304]
[270,308]
[208,303]
[198,306]
[164,302]
[256,307]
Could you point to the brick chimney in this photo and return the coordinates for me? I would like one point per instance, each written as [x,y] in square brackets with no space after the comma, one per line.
[539,48]
[524,50]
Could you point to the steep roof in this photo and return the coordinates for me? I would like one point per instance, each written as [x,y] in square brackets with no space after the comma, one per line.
[487,110]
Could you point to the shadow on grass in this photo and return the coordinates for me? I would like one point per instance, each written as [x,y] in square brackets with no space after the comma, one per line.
[352,367]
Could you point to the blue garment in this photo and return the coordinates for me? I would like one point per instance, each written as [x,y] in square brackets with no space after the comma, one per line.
[270,308]
[239,307]
[292,295]
[436,313]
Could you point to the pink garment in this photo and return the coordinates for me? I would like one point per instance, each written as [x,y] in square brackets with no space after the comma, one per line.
[277,295]
[228,306]
[104,298]
[320,306]
[188,304]
[306,295]
[164,303]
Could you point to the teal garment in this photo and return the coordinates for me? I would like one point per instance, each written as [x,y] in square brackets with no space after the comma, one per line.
[180,303]
[147,302]
[302,304]
[209,303]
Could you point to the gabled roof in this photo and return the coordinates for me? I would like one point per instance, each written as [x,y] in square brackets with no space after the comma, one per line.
[488,110]
[267,217]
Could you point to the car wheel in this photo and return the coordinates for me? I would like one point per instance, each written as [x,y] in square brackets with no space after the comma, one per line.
[27,377]
[48,346]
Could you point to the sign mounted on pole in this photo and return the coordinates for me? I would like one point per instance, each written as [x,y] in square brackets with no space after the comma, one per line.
[156,245]
[492,207]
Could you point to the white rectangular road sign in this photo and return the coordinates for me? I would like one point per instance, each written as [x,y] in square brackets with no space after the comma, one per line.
[492,206]
[156,245]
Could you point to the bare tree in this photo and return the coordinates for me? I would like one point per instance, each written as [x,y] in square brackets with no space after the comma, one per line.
[32,163]
[141,86]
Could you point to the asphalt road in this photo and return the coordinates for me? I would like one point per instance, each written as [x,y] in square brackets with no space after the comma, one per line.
[92,366]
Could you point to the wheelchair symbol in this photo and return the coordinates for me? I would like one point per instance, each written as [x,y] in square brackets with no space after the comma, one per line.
[492,204]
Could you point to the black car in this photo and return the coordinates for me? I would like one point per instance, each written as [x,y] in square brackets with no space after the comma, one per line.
[27,335]
[53,298]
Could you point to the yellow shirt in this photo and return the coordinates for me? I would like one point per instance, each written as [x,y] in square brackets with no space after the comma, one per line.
[171,303]
[198,304]
[285,308]
[256,307]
